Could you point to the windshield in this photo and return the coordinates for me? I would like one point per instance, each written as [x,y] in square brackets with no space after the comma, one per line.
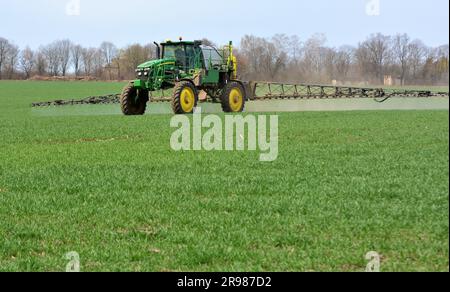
[185,55]
[175,52]
[172,51]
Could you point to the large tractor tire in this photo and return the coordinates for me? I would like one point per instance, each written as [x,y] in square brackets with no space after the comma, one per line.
[185,98]
[233,98]
[133,101]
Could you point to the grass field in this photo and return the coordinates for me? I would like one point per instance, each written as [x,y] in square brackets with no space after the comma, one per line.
[110,188]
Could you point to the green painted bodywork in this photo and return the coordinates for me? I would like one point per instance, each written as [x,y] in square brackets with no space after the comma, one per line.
[154,73]
[212,77]
[154,63]
[183,60]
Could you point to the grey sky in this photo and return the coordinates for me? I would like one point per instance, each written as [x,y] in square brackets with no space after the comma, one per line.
[124,22]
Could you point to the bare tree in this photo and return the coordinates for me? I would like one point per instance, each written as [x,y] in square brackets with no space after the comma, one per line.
[11,60]
[417,53]
[27,61]
[295,49]
[98,62]
[4,48]
[442,63]
[282,42]
[64,49]
[76,53]
[313,57]
[109,51]
[377,51]
[275,56]
[134,55]
[265,57]
[52,58]
[117,64]
[87,60]
[329,64]
[343,61]
[252,50]
[365,68]
[401,50]
[41,63]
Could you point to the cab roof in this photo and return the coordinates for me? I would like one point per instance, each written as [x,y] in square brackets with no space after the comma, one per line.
[181,43]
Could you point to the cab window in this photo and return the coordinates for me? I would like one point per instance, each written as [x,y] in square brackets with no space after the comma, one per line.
[175,52]
[190,57]
[211,57]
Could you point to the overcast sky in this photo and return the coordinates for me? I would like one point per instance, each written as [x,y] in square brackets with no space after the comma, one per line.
[123,22]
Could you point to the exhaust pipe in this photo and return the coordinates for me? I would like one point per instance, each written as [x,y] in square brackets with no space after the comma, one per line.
[158,50]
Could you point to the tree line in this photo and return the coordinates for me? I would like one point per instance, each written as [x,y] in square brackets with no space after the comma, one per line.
[278,58]
[288,58]
[65,59]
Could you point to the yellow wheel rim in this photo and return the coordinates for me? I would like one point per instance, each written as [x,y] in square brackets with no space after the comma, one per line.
[236,100]
[187,100]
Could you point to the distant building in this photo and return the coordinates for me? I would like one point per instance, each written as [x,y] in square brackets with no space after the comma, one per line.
[390,81]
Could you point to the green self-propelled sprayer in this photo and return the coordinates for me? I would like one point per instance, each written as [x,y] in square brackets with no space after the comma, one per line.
[188,68]
[193,71]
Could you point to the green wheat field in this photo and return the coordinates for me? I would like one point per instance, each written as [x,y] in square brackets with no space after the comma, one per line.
[109,187]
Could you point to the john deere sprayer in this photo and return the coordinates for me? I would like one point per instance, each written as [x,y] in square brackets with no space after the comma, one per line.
[188,68]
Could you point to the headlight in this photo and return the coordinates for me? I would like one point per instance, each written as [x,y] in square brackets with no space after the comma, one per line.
[146,73]
[140,74]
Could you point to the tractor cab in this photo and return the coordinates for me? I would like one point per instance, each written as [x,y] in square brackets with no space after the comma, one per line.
[193,55]
[187,55]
